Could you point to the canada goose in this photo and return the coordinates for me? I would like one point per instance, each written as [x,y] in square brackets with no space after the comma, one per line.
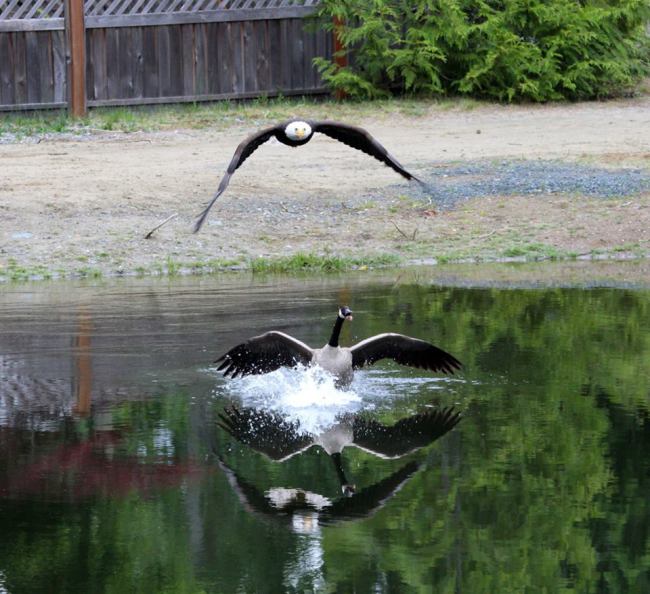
[296,133]
[272,350]
[279,439]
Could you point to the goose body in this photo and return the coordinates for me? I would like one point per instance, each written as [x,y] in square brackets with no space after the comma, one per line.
[295,133]
[272,350]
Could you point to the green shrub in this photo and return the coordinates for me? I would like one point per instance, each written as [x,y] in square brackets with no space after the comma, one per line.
[510,50]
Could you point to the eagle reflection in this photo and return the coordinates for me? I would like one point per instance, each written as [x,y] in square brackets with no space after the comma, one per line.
[280,439]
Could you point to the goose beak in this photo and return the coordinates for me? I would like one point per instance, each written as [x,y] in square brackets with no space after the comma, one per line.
[349,317]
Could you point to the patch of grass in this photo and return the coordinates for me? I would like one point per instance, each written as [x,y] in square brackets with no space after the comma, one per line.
[212,265]
[219,114]
[119,119]
[15,272]
[627,247]
[534,251]
[88,272]
[302,262]
[172,266]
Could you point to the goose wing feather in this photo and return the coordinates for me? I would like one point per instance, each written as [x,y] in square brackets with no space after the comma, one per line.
[263,354]
[369,500]
[245,149]
[405,436]
[362,140]
[265,432]
[405,350]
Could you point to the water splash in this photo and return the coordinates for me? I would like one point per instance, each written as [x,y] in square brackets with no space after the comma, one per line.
[307,395]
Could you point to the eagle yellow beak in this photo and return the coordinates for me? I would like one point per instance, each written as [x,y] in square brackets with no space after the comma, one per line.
[300,133]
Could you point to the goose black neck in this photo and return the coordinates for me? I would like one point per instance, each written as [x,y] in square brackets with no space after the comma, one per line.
[334,339]
[338,464]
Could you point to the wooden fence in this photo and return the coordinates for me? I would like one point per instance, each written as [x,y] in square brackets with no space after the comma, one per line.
[156,51]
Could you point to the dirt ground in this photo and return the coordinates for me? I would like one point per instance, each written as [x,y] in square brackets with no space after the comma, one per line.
[83,206]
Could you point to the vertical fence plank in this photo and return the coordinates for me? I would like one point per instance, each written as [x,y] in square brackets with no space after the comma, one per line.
[222,59]
[126,62]
[175,61]
[32,67]
[100,77]
[46,66]
[201,56]
[164,61]
[286,52]
[297,55]
[150,54]
[138,61]
[112,63]
[20,68]
[237,31]
[275,61]
[262,73]
[249,49]
[189,60]
[309,53]
[59,65]
[6,70]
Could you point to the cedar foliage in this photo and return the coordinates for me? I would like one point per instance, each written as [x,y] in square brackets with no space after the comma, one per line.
[509,50]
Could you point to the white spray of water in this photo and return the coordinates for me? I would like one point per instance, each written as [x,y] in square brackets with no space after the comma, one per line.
[309,396]
[304,395]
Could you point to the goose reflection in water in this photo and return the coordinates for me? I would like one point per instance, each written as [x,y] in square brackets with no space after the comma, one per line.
[280,439]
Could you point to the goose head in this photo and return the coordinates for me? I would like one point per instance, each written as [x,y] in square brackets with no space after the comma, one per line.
[345,313]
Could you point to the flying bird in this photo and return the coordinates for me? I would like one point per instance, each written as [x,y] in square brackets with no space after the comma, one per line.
[296,133]
[272,350]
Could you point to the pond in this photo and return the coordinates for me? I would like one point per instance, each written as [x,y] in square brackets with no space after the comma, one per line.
[117,475]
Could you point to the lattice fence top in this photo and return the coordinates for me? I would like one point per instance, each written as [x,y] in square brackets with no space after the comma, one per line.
[30,9]
[47,9]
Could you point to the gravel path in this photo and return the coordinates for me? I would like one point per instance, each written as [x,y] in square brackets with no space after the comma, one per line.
[454,183]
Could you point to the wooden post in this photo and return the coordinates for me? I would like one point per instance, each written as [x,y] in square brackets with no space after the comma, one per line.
[340,54]
[75,32]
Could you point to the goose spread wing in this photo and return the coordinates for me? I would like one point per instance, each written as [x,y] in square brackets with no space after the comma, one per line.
[264,353]
[245,149]
[250,496]
[369,500]
[405,436]
[266,432]
[405,350]
[362,140]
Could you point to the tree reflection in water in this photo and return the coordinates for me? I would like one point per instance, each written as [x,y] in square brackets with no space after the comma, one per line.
[280,439]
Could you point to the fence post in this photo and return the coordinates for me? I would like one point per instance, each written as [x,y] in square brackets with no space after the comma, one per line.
[75,35]
[340,53]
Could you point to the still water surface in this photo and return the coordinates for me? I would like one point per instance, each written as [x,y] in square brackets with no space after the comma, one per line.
[116,477]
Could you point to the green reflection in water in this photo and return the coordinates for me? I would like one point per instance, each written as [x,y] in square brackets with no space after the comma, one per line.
[543,487]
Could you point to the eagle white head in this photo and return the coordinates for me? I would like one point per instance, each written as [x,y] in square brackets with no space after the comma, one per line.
[298,130]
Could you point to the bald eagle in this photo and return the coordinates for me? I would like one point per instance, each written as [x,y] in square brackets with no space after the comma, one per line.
[296,133]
